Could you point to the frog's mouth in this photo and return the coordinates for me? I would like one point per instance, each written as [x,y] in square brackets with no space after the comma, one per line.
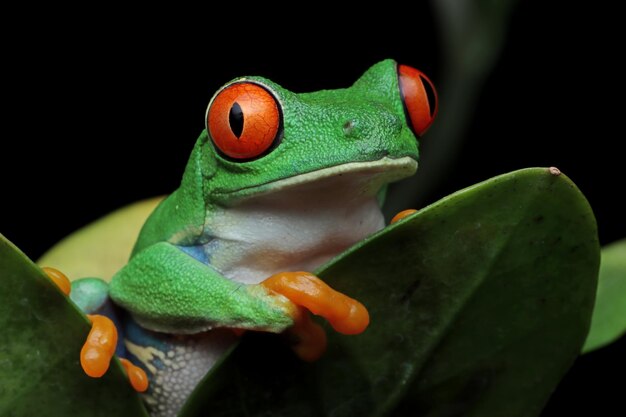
[364,178]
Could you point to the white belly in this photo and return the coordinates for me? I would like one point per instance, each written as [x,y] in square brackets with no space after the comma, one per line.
[293,230]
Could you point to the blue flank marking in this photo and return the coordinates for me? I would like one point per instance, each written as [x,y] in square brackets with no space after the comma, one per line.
[142,337]
[197,252]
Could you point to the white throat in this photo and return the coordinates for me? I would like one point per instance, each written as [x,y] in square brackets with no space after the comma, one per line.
[302,222]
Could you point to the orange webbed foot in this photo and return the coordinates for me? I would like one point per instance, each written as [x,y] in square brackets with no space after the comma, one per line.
[99,348]
[346,315]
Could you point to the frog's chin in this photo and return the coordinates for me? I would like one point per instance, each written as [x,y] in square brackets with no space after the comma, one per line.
[298,224]
[368,177]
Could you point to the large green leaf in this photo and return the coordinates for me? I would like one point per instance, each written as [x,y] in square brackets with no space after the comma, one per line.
[479,304]
[42,334]
[609,314]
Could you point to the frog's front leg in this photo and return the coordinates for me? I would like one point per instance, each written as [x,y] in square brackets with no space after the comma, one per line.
[169,291]
[166,290]
[91,296]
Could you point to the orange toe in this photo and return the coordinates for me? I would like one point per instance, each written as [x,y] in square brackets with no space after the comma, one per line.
[137,376]
[99,348]
[402,215]
[59,279]
[355,322]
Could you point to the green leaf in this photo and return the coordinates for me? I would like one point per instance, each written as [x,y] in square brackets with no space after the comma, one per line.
[42,334]
[609,314]
[479,304]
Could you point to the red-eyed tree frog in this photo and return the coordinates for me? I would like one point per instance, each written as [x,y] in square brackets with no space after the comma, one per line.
[278,183]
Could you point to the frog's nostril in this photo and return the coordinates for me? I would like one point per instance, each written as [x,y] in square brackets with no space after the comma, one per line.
[348,126]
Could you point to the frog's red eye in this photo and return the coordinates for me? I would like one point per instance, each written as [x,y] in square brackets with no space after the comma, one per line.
[244,121]
[419,96]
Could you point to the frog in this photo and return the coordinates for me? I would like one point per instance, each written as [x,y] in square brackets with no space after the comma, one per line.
[277,185]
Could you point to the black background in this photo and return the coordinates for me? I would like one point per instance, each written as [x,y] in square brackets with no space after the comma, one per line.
[99,115]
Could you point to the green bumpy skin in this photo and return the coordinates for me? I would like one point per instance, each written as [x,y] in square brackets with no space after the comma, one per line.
[167,290]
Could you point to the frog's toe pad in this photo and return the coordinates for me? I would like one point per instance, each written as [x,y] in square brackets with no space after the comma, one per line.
[137,376]
[355,322]
[402,215]
[59,279]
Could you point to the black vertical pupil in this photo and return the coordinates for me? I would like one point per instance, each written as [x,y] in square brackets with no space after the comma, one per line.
[235,118]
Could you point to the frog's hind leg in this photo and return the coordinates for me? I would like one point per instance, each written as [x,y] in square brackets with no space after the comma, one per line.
[175,364]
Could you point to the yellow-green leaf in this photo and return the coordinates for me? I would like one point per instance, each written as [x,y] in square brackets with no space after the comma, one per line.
[103,247]
[609,314]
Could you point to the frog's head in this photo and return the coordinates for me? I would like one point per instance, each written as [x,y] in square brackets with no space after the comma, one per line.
[261,138]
